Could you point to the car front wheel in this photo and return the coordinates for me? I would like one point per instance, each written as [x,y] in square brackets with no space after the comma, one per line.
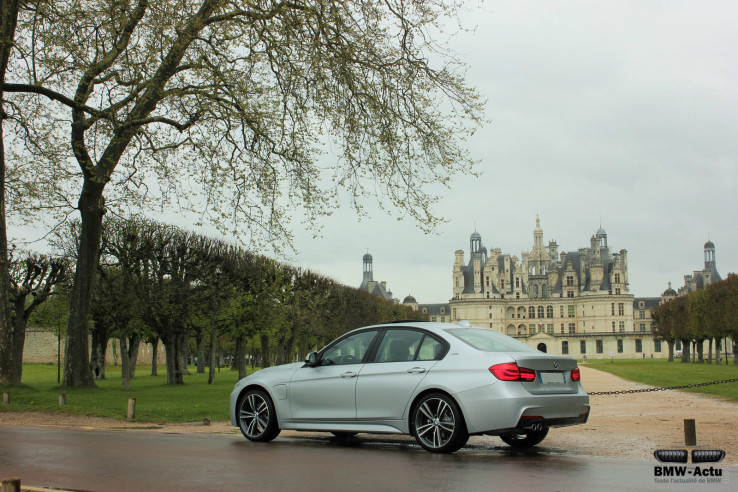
[525,439]
[256,417]
[438,425]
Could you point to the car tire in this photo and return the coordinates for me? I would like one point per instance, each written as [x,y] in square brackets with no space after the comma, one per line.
[257,418]
[438,425]
[525,439]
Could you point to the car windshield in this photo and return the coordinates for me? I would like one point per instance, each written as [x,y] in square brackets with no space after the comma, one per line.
[488,340]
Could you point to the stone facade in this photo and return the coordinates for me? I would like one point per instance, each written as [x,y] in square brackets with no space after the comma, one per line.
[43,347]
[574,303]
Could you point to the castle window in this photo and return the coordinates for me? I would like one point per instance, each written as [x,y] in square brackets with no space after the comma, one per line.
[531,312]
[617,278]
[569,293]
[572,328]
[540,311]
[617,291]
[549,311]
[620,346]
[639,346]
[621,308]
[621,326]
[571,311]
[599,348]
[570,281]
[657,345]
[642,314]
[565,347]
[583,347]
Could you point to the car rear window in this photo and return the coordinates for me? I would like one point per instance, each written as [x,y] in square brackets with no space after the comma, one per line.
[489,341]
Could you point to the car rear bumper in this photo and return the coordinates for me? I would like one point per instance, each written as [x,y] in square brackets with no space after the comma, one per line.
[500,408]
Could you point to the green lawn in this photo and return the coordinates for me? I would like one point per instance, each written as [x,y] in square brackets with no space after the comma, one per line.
[155,400]
[195,400]
[661,373]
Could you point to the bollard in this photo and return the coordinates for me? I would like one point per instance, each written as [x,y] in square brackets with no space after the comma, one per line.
[11,484]
[690,433]
[131,408]
[6,398]
[62,399]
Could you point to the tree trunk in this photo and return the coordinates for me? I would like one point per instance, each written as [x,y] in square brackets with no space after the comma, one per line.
[8,23]
[265,352]
[289,349]
[685,351]
[173,345]
[100,337]
[134,341]
[670,343]
[77,372]
[184,350]
[240,358]
[700,351]
[155,356]
[19,339]
[199,340]
[211,367]
[735,353]
[125,363]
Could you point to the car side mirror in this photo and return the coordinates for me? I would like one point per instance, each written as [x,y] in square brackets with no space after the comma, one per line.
[312,359]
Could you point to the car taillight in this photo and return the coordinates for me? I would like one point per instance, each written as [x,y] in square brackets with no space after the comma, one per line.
[576,375]
[509,371]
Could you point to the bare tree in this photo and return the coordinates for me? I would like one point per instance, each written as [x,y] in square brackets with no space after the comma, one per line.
[232,102]
[32,281]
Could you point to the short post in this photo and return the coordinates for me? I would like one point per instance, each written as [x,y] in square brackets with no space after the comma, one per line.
[131,408]
[11,484]
[62,399]
[6,398]
[690,433]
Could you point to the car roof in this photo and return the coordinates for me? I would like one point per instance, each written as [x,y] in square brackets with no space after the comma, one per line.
[432,326]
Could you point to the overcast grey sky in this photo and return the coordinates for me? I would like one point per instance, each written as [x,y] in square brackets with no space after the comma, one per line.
[615,113]
[623,114]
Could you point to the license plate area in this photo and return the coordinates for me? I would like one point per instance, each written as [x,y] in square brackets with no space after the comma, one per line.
[555,377]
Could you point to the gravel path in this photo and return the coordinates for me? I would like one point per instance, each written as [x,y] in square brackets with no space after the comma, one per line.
[630,426]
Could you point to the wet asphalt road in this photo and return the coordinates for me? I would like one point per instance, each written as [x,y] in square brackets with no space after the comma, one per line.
[88,460]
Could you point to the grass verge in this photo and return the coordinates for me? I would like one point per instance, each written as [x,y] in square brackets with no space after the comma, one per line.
[661,373]
[155,400]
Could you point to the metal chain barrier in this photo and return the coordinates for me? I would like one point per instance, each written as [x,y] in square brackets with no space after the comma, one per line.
[648,390]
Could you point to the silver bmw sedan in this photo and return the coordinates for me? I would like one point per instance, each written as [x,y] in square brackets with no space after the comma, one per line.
[439,382]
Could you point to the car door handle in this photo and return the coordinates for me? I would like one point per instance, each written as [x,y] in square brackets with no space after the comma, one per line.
[416,370]
[348,375]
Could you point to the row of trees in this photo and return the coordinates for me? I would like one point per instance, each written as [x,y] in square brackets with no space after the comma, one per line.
[157,282]
[223,108]
[709,314]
